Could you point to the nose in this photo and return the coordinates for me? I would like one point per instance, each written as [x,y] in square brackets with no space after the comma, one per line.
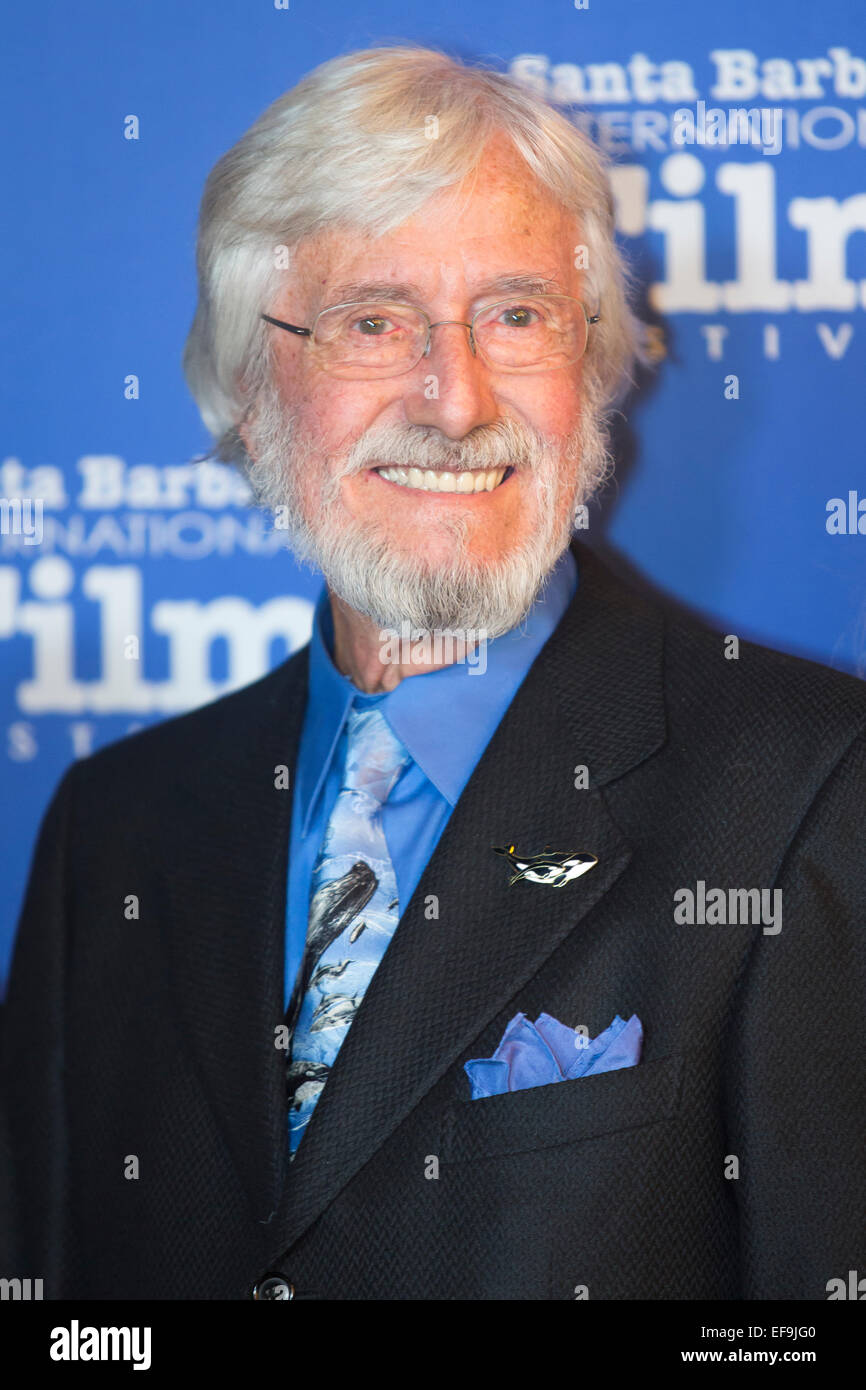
[451,387]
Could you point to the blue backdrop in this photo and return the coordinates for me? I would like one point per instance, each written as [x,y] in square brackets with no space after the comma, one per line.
[754,269]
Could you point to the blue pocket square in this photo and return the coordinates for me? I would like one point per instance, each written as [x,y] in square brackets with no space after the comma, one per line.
[539,1053]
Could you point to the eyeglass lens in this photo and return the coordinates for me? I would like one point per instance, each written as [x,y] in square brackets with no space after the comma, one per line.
[537,333]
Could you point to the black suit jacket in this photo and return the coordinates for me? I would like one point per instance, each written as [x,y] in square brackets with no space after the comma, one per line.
[146,1044]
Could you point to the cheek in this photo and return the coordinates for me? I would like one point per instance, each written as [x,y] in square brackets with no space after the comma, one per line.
[333,414]
[567,401]
[550,403]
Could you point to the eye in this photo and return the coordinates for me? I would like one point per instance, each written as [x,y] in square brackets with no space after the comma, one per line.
[519,316]
[372,325]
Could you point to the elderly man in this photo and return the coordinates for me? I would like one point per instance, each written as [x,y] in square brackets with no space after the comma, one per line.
[506,941]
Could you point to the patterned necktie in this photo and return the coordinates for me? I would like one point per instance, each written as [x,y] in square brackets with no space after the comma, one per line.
[353,913]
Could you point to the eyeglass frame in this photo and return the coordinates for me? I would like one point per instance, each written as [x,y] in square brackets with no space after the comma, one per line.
[310,332]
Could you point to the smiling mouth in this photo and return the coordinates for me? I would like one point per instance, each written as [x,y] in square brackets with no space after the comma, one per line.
[470,480]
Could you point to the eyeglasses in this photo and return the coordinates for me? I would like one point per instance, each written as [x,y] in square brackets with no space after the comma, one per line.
[362,339]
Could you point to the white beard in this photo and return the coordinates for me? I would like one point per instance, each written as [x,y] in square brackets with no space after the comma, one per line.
[361,563]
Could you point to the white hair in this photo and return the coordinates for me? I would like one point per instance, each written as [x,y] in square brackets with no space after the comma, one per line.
[349,147]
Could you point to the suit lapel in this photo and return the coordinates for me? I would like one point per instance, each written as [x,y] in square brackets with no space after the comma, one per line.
[593,697]
[224,921]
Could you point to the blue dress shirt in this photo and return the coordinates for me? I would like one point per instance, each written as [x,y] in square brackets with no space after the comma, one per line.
[445,719]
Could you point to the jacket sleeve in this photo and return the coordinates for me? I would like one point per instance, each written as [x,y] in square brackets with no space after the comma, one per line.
[796,1082]
[32,1063]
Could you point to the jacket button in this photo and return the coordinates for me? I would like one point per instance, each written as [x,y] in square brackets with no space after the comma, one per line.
[273,1287]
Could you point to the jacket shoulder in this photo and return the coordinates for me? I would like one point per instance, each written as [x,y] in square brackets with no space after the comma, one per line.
[719,681]
[772,683]
[763,704]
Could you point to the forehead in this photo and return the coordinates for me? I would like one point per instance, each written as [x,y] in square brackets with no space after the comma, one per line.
[499,221]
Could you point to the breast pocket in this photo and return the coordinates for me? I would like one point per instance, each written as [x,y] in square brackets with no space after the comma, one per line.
[543,1117]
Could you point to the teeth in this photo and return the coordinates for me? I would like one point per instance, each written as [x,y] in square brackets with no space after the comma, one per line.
[472,480]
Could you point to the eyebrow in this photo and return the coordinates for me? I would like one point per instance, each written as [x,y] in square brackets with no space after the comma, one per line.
[409,293]
[522,284]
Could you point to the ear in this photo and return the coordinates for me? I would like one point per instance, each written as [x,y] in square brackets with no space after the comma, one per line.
[245,428]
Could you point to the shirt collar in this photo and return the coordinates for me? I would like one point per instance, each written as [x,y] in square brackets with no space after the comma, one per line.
[444,718]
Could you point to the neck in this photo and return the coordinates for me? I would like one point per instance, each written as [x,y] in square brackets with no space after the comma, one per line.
[374,663]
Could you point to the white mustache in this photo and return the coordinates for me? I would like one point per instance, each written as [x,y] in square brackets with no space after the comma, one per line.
[500,445]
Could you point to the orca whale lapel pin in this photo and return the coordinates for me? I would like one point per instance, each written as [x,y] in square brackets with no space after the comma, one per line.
[553,867]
